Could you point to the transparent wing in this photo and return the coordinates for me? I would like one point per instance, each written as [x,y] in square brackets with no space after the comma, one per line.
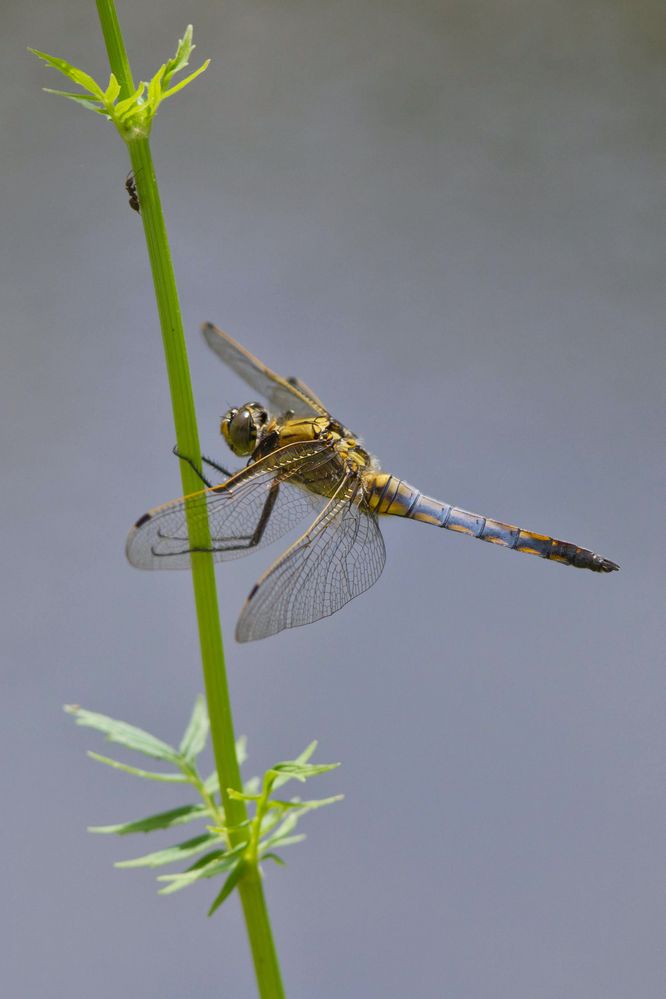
[281,393]
[305,390]
[339,556]
[251,509]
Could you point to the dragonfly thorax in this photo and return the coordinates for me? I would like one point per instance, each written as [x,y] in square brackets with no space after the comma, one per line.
[241,428]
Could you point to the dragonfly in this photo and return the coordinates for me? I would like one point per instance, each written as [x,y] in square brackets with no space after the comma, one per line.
[304,465]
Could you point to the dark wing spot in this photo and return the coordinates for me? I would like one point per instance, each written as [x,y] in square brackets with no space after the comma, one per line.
[143,520]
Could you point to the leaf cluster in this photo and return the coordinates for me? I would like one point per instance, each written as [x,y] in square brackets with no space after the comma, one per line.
[232,851]
[133,114]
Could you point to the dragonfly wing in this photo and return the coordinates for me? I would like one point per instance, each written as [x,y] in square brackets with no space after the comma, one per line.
[251,509]
[339,556]
[282,394]
[306,391]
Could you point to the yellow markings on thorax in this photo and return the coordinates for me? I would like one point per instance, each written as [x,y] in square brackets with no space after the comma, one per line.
[308,429]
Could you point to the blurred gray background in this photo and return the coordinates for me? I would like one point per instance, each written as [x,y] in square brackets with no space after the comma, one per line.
[448,218]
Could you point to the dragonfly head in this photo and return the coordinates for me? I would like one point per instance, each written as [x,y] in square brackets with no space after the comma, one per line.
[241,428]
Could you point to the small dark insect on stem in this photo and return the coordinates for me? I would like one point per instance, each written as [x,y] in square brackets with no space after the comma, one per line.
[130,187]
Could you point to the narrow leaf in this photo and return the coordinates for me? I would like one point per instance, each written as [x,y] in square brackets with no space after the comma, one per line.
[291,819]
[209,866]
[228,886]
[196,732]
[270,821]
[303,758]
[124,734]
[77,75]
[204,861]
[241,796]
[309,806]
[179,881]
[172,854]
[162,820]
[130,103]
[112,90]
[188,79]
[155,89]
[180,59]
[275,804]
[302,771]
[223,831]
[136,771]
[83,99]
[285,840]
[276,857]
[281,828]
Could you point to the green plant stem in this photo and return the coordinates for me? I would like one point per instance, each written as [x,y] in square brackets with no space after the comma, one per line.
[205,595]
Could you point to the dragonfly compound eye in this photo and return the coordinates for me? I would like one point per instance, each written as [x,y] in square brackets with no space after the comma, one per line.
[240,427]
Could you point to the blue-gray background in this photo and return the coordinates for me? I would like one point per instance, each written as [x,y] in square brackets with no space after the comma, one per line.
[448,218]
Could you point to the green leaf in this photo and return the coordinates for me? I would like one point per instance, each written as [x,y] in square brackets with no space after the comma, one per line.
[155,89]
[137,772]
[222,831]
[276,857]
[269,822]
[228,886]
[282,828]
[309,806]
[299,807]
[77,75]
[188,79]
[276,804]
[124,734]
[82,99]
[130,104]
[180,881]
[172,854]
[302,771]
[112,90]
[241,795]
[303,758]
[182,56]
[277,831]
[196,732]
[209,866]
[162,820]
[285,840]
[204,861]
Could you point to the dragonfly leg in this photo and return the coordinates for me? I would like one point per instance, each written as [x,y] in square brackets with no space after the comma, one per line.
[218,468]
[183,457]
[207,461]
[251,540]
[242,541]
[262,523]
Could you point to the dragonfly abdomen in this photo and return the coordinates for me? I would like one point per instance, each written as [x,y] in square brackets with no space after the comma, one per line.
[386,494]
